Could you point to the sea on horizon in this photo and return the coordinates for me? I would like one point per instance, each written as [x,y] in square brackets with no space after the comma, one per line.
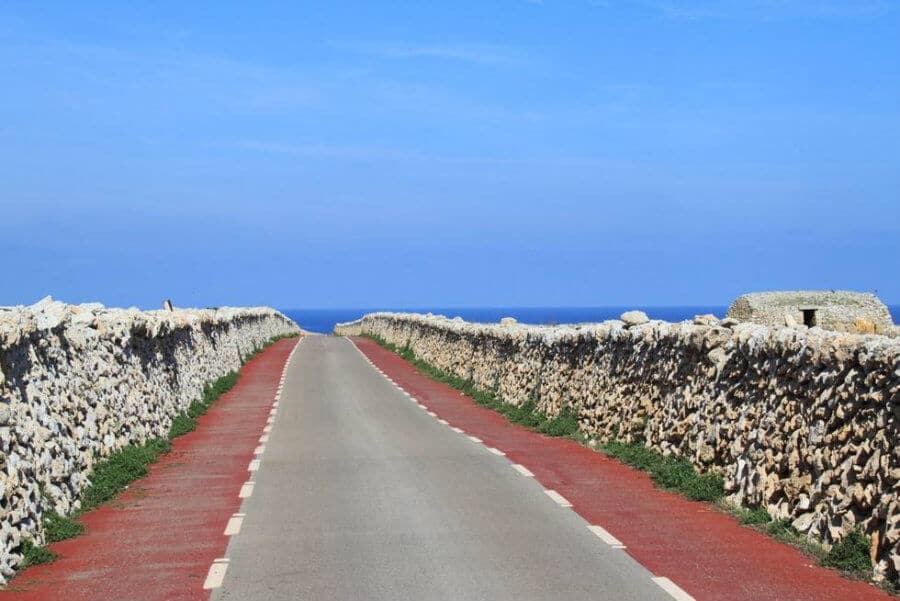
[324,320]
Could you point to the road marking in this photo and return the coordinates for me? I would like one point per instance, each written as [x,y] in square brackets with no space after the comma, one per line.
[216,573]
[496,451]
[406,393]
[234,524]
[560,500]
[523,470]
[264,438]
[267,429]
[473,439]
[457,430]
[432,414]
[259,450]
[673,589]
[606,537]
[443,421]
[246,489]
[254,465]
[270,420]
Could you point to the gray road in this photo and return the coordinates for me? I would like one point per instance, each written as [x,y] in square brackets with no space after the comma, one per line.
[363,496]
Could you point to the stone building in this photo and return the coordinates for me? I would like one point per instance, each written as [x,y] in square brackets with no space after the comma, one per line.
[839,310]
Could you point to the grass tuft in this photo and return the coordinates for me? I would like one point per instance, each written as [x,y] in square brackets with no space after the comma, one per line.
[58,527]
[753,516]
[35,555]
[851,554]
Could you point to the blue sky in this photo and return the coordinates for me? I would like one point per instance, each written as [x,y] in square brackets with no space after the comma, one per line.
[341,154]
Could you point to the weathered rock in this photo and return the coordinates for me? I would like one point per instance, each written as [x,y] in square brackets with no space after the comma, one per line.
[634,318]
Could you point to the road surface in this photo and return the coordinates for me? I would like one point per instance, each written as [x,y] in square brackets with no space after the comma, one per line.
[362,495]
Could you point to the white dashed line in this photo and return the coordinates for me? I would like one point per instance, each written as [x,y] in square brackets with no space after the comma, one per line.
[673,589]
[254,465]
[558,498]
[606,537]
[246,489]
[523,470]
[264,438]
[268,428]
[496,451]
[443,421]
[432,414]
[216,573]
[457,430]
[234,524]
[473,439]
[270,420]
[259,450]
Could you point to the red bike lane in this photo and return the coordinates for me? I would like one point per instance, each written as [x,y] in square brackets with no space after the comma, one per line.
[704,551]
[156,540]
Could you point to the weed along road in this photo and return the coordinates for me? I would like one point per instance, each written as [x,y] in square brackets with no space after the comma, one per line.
[362,495]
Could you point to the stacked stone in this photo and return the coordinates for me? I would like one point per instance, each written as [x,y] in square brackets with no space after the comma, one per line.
[798,420]
[80,382]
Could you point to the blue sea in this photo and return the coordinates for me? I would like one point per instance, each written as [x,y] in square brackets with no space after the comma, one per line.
[324,320]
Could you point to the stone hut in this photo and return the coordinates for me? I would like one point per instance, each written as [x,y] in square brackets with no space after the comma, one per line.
[838,310]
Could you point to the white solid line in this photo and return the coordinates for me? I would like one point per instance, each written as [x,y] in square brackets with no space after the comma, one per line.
[443,421]
[264,438]
[259,450]
[560,500]
[216,574]
[246,489]
[234,524]
[457,430]
[254,465]
[523,470]
[473,439]
[606,537]
[673,589]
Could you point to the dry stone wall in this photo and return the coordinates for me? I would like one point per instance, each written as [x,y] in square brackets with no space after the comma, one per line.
[800,421]
[79,382]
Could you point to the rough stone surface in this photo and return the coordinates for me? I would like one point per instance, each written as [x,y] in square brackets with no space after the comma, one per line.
[798,420]
[837,310]
[634,318]
[79,382]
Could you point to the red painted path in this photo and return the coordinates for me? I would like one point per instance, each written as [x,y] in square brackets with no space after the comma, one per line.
[157,539]
[707,553]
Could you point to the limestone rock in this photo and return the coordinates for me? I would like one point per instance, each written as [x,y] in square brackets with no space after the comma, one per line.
[634,318]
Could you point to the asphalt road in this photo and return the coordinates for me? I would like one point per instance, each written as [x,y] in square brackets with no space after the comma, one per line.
[361,495]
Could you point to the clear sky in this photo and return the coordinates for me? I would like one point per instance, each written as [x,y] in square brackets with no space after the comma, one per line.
[466,153]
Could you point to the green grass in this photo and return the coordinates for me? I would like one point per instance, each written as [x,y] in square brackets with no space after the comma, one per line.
[851,554]
[671,473]
[58,527]
[751,516]
[112,475]
[35,555]
[564,424]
